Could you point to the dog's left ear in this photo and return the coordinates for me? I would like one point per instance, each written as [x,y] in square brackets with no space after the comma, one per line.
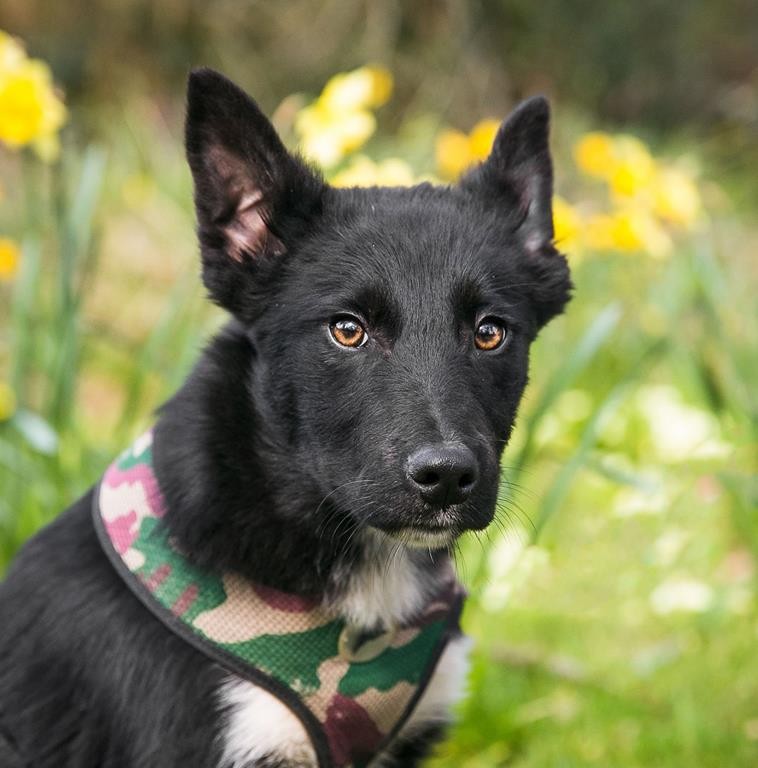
[252,197]
[518,176]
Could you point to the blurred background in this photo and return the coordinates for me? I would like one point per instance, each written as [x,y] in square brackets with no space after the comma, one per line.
[615,608]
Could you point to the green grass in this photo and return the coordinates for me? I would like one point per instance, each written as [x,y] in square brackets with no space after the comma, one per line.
[604,499]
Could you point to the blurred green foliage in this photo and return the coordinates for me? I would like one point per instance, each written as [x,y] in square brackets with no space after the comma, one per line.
[614,604]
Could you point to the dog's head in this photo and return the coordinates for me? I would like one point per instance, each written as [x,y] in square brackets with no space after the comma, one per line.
[391,327]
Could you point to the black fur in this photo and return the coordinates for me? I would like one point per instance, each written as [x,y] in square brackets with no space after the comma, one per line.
[87,676]
[282,446]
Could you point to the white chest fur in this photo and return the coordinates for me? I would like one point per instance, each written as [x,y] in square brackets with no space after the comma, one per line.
[257,724]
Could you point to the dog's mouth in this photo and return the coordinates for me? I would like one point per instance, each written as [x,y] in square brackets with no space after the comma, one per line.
[431,529]
[439,532]
[424,537]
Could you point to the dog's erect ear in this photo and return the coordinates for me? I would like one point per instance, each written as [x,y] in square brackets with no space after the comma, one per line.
[519,168]
[252,197]
[519,175]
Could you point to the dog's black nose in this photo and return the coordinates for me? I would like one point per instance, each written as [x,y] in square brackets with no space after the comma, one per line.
[443,474]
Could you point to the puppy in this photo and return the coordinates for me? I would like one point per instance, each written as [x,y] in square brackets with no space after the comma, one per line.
[264,578]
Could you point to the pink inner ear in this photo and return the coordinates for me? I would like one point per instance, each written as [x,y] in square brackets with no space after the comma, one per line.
[534,243]
[535,240]
[247,232]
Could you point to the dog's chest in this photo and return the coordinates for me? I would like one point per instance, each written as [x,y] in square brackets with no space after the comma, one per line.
[257,725]
[353,689]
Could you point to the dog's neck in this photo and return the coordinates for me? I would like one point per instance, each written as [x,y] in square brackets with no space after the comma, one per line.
[230,508]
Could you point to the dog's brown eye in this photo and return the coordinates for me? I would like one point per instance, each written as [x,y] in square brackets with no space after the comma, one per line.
[348,332]
[490,334]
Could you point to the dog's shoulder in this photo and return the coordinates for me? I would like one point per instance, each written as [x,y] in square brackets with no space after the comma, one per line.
[88,675]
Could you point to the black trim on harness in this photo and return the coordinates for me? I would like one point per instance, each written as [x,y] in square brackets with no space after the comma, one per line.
[452,629]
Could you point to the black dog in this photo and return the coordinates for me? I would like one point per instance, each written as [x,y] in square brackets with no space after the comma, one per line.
[332,442]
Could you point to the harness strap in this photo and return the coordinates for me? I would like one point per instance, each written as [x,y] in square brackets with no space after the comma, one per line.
[351,706]
[223,658]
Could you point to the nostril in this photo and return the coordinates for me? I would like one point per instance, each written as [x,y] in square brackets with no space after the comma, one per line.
[427,477]
[466,480]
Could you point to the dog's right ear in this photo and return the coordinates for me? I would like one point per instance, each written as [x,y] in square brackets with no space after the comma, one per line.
[518,176]
[252,197]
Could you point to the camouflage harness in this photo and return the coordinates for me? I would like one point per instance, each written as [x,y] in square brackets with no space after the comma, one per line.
[352,693]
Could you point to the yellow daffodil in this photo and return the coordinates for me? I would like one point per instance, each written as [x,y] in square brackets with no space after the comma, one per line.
[566,224]
[593,154]
[645,195]
[482,137]
[623,161]
[676,197]
[456,151]
[629,230]
[633,168]
[598,232]
[364,88]
[11,52]
[31,113]
[7,401]
[326,137]
[364,172]
[339,121]
[452,153]
[10,256]
[635,229]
